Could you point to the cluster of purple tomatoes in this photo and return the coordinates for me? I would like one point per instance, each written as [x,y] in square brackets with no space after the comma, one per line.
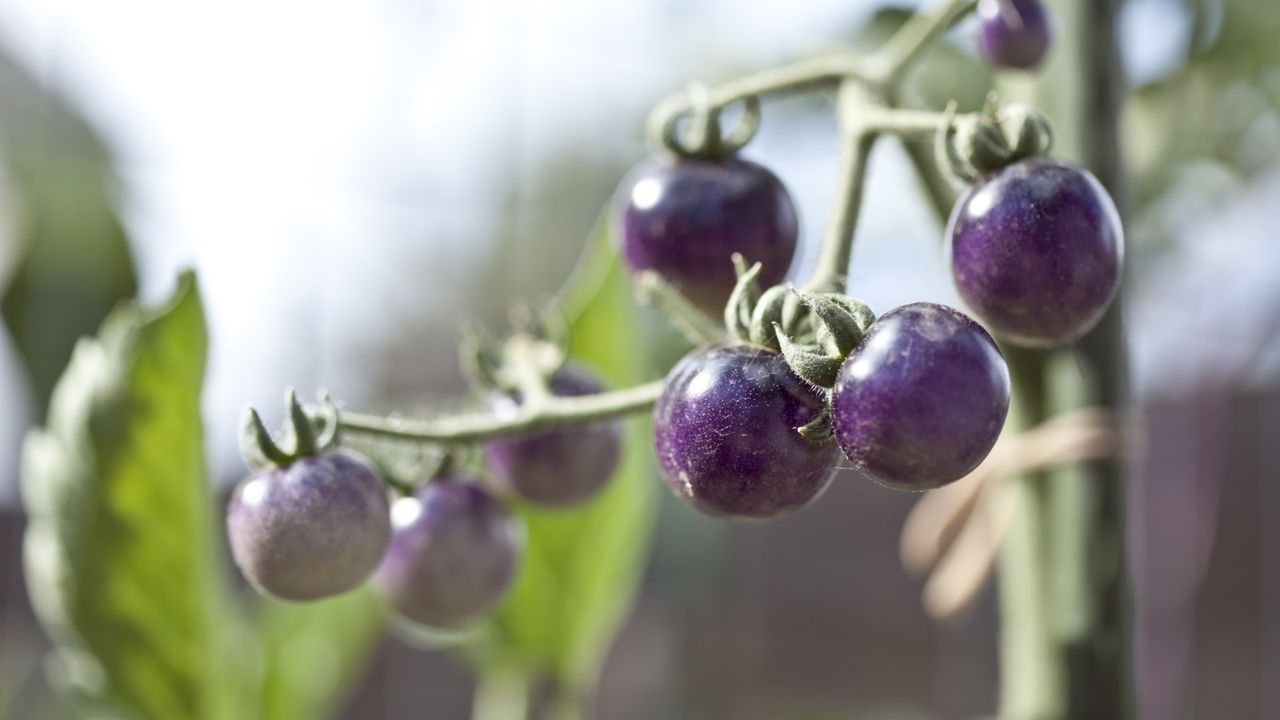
[1035,250]
[917,402]
[323,524]
[1036,253]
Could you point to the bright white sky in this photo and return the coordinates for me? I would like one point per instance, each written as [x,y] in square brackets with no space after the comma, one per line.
[270,145]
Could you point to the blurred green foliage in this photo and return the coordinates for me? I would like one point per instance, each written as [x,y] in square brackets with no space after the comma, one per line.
[313,653]
[1198,131]
[122,543]
[582,566]
[124,566]
[73,261]
[123,548]
[119,546]
[1220,103]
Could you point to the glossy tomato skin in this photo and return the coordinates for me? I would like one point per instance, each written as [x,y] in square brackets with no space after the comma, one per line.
[1036,251]
[921,400]
[725,432]
[685,218]
[1013,33]
[452,556]
[563,466]
[315,528]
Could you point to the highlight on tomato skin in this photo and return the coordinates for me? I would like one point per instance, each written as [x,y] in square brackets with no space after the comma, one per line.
[453,555]
[922,399]
[563,466]
[726,439]
[1036,251]
[1013,34]
[685,218]
[314,528]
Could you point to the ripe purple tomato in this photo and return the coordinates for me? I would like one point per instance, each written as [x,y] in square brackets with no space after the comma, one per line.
[559,467]
[685,219]
[725,431]
[921,400]
[1013,33]
[452,556]
[316,528]
[1036,251]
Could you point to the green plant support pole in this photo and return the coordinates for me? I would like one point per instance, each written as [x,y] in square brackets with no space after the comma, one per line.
[1098,658]
[1031,678]
[1065,650]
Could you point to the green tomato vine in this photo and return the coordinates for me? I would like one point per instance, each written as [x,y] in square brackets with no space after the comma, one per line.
[866,89]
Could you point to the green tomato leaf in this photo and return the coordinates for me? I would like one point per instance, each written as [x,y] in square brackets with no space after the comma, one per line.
[71,264]
[582,565]
[119,545]
[314,653]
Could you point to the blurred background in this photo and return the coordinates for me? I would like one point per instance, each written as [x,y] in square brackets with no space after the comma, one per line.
[351,180]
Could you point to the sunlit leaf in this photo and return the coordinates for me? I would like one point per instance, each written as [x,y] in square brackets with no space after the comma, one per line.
[118,550]
[73,260]
[314,653]
[582,566]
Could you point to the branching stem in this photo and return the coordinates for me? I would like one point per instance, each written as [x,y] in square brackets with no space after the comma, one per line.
[817,73]
[866,89]
[837,246]
[887,66]
[478,427]
[864,117]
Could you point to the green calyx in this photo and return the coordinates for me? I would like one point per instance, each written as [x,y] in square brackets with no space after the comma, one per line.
[767,315]
[972,145]
[843,320]
[697,131]
[524,361]
[836,324]
[740,308]
[408,469]
[814,331]
[810,362]
[304,433]
[820,429]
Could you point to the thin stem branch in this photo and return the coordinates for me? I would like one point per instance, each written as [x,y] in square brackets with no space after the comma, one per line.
[528,373]
[863,118]
[905,124]
[816,72]
[865,90]
[887,66]
[864,114]
[696,326]
[938,190]
[552,411]
[837,245]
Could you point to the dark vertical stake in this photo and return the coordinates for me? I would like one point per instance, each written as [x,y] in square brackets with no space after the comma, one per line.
[1098,664]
